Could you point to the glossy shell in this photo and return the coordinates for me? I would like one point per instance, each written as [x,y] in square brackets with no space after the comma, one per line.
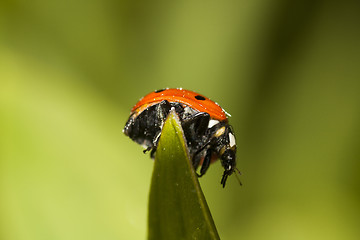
[187,97]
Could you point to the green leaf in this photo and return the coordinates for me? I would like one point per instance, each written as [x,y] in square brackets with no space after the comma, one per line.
[177,206]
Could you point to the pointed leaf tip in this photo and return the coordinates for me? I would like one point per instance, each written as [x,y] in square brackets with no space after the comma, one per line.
[177,206]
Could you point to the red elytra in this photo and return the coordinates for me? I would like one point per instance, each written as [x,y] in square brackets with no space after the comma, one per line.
[187,97]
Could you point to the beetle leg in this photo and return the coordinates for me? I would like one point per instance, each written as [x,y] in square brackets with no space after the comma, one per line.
[195,128]
[206,162]
[147,149]
[162,109]
[152,153]
[198,123]
[197,159]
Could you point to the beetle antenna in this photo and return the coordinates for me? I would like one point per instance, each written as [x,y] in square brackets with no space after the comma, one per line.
[238,179]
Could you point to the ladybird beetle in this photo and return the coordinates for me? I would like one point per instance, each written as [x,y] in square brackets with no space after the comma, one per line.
[205,124]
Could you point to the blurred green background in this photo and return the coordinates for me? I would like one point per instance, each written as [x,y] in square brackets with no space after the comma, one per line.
[287,71]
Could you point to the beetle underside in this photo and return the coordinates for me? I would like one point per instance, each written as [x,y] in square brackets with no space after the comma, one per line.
[206,138]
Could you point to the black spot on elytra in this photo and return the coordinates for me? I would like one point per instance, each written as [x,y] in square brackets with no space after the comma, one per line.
[160,90]
[199,97]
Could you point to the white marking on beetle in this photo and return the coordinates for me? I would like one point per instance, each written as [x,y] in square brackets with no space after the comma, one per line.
[220,132]
[232,140]
[212,123]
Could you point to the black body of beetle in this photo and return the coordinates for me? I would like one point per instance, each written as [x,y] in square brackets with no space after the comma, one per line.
[207,139]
